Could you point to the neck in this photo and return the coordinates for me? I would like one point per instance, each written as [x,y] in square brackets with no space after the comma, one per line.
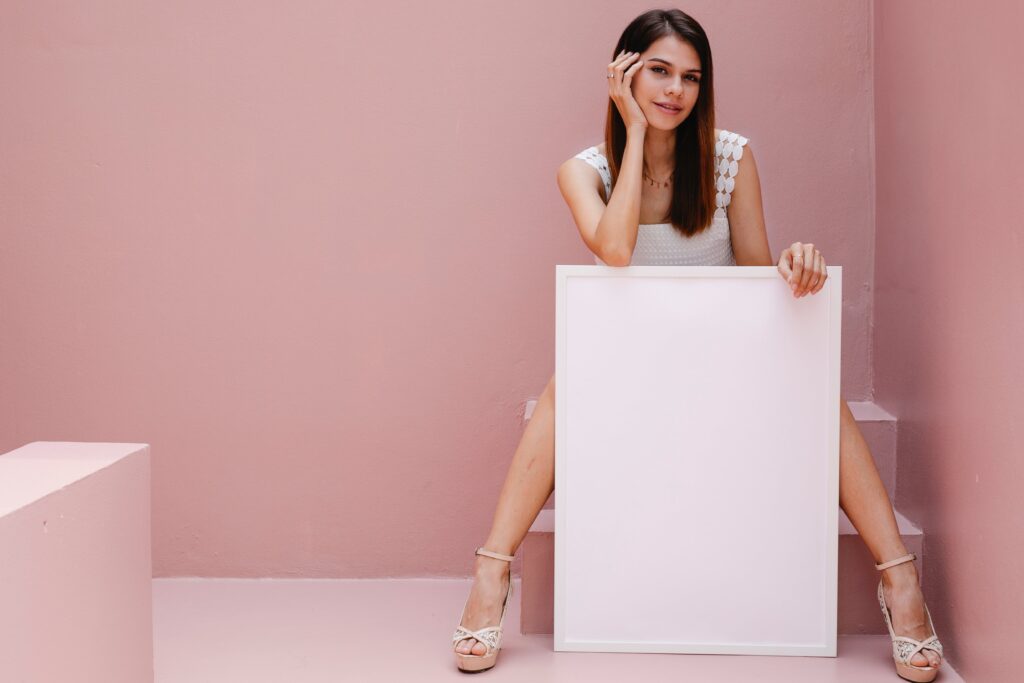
[659,152]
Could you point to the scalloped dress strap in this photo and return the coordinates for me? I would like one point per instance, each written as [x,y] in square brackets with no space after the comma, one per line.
[728,152]
[593,157]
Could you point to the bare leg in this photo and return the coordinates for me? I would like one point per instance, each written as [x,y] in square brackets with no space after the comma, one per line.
[529,482]
[863,497]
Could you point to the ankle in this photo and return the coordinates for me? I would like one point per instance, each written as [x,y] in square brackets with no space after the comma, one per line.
[491,567]
[900,576]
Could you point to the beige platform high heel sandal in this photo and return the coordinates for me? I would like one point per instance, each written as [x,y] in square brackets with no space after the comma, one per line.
[904,648]
[490,636]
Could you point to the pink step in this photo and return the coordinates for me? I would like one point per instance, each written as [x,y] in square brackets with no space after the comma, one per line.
[76,594]
[858,610]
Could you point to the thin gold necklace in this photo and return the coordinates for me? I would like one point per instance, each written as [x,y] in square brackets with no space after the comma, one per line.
[655,183]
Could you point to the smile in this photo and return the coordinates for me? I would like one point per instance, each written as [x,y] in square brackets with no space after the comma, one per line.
[669,110]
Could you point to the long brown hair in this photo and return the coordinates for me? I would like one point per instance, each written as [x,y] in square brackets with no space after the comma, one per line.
[693,188]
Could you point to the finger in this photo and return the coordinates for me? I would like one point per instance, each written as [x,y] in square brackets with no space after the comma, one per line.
[812,284]
[822,276]
[784,266]
[808,273]
[613,67]
[628,76]
[806,266]
[798,265]
[622,79]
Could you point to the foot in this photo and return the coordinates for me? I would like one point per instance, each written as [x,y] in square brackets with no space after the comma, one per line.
[485,601]
[903,596]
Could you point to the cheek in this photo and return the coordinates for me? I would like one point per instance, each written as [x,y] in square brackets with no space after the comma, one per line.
[642,85]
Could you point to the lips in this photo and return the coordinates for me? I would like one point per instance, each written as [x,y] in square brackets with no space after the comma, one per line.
[668,108]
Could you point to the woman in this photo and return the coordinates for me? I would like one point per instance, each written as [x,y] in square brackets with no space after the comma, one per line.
[684,194]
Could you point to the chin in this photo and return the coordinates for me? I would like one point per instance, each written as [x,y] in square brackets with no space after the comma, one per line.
[657,119]
[661,126]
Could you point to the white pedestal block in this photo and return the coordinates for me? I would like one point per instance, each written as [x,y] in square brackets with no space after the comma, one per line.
[76,599]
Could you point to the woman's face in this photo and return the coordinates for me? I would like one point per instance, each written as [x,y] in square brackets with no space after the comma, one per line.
[670,75]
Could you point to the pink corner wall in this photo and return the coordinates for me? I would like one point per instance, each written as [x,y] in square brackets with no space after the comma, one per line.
[949,322]
[307,253]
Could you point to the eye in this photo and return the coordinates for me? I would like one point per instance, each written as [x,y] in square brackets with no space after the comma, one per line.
[694,79]
[658,68]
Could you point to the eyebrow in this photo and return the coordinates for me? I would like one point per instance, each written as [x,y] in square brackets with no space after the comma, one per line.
[665,61]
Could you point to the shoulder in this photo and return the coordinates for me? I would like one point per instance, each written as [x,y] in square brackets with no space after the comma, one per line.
[736,161]
[730,148]
[591,157]
[726,141]
[588,162]
[587,168]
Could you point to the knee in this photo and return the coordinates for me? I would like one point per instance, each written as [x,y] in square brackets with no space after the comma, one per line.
[845,415]
[549,390]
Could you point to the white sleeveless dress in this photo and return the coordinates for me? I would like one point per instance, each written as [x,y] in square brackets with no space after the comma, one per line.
[660,244]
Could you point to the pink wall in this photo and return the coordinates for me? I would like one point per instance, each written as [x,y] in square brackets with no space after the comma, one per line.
[308,254]
[948,319]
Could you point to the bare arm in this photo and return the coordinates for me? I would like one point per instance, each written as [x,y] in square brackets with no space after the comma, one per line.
[621,220]
[799,262]
[610,231]
[746,216]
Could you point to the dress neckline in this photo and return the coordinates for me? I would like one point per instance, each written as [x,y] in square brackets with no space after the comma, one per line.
[642,225]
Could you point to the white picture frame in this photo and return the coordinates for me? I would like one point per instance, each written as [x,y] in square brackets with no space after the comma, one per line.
[696,461]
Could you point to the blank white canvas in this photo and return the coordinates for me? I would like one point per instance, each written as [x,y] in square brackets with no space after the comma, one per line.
[696,461]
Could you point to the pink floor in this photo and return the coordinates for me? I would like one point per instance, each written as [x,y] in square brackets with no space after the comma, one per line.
[298,631]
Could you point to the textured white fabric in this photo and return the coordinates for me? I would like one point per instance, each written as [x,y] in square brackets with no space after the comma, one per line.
[660,244]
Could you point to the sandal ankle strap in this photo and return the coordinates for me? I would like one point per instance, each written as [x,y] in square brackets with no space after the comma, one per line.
[497,556]
[899,560]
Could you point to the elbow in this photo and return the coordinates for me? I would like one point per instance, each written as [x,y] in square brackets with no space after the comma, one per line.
[616,257]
